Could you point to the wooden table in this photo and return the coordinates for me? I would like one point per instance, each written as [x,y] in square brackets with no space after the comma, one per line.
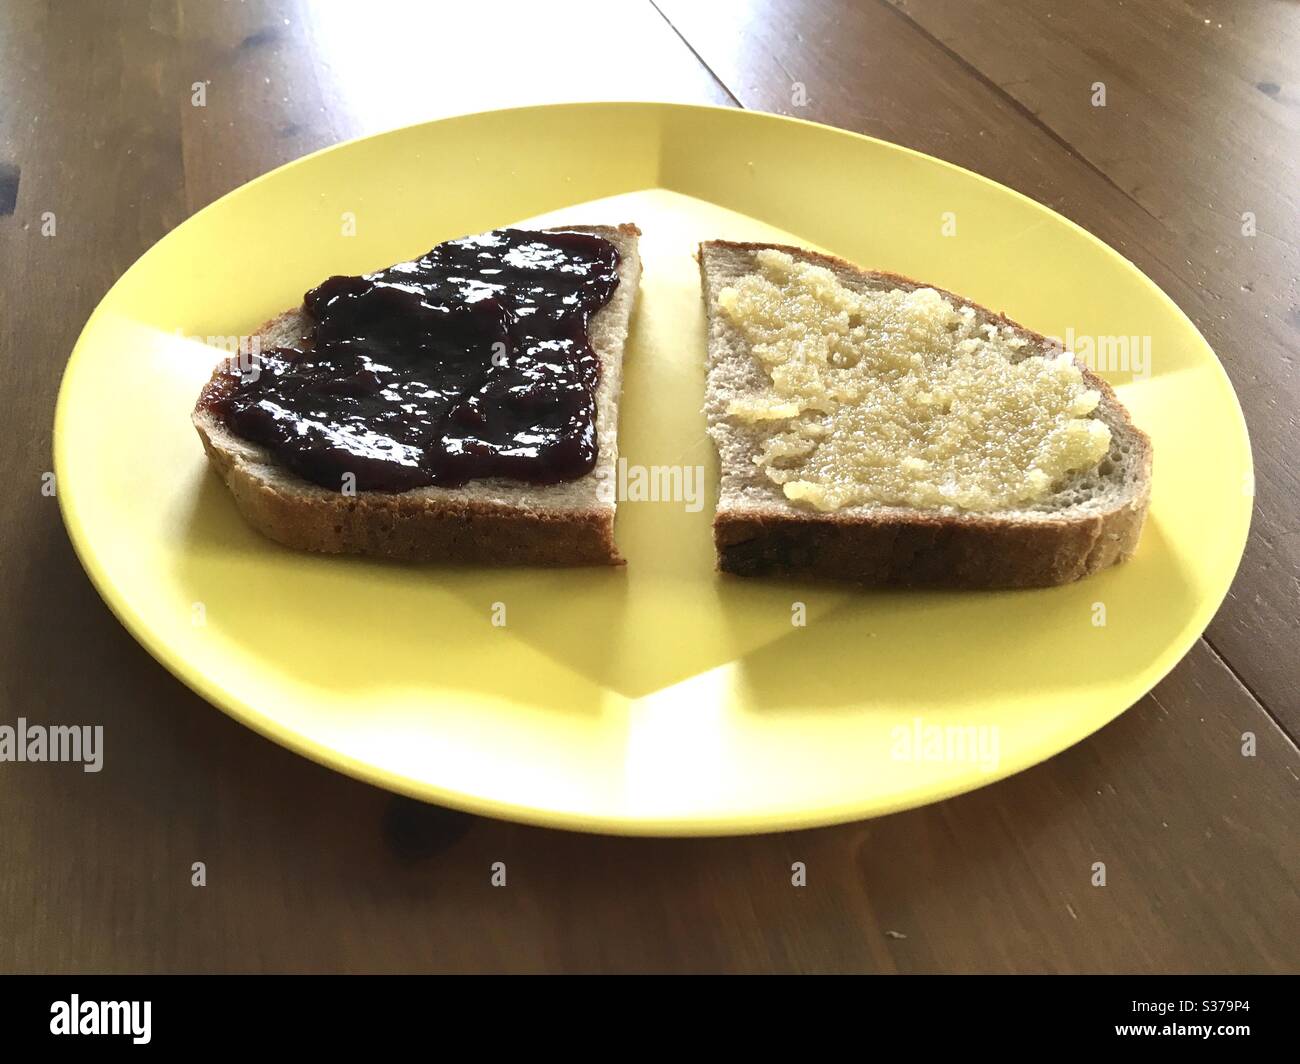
[310,871]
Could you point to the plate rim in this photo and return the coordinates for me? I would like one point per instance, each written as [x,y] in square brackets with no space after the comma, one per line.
[658,826]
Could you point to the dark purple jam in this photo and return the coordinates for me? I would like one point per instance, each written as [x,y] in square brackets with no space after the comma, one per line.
[473,361]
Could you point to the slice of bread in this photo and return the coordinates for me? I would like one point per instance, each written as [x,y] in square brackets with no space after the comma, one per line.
[490,521]
[1090,521]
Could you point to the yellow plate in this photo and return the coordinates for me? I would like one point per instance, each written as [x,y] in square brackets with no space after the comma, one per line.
[663,699]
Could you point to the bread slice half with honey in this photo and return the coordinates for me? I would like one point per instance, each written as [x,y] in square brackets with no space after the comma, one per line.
[489,521]
[776,516]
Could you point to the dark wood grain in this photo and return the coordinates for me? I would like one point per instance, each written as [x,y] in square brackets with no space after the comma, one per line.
[310,871]
[1201,124]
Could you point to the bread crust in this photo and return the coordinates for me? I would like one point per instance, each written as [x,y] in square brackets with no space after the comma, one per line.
[923,548]
[428,524]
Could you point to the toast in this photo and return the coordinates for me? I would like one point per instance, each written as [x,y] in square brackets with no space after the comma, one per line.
[1089,520]
[488,521]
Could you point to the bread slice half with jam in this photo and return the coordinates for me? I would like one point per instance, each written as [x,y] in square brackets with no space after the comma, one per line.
[488,521]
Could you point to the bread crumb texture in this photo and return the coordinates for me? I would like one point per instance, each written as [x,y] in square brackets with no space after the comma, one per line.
[900,398]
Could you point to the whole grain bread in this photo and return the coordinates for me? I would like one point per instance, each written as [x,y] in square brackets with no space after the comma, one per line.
[1091,521]
[490,521]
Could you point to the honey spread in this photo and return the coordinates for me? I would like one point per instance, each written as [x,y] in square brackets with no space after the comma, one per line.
[901,398]
[472,361]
